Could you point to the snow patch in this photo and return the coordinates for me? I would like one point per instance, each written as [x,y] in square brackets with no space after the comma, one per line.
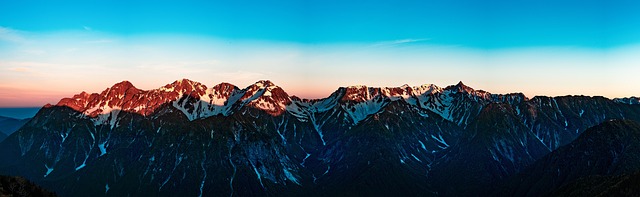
[81,166]
[305,159]
[422,145]
[290,176]
[103,149]
[204,170]
[414,156]
[258,174]
[49,170]
[360,111]
[441,141]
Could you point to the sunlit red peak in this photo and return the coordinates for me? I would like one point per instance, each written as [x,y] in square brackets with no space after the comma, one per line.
[123,85]
[121,88]
[359,93]
[185,86]
[264,83]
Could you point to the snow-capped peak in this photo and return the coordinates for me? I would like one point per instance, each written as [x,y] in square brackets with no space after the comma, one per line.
[266,96]
[184,86]
[264,83]
[426,89]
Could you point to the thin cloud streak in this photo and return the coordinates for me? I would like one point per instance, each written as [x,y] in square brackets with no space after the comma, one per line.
[399,42]
[11,35]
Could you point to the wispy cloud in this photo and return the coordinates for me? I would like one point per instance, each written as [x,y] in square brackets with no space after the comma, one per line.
[11,35]
[25,66]
[20,69]
[34,51]
[87,28]
[400,42]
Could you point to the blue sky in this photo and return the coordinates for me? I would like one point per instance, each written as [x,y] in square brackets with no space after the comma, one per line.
[480,24]
[312,47]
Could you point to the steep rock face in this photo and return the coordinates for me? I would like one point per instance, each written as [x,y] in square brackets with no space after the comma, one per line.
[495,146]
[398,144]
[559,120]
[165,154]
[187,139]
[609,149]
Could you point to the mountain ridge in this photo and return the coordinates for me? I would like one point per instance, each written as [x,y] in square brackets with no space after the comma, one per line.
[220,98]
[359,93]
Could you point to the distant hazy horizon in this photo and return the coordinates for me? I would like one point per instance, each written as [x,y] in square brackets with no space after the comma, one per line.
[52,50]
[27,111]
[19,112]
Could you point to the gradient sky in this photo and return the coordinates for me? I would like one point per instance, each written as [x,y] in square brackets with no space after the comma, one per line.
[54,49]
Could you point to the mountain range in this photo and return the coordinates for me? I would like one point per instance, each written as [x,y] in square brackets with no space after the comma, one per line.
[186,139]
[9,125]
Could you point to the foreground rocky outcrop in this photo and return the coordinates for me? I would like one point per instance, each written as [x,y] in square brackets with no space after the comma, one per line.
[18,186]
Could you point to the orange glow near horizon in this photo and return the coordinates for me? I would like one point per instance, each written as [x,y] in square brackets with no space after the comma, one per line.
[16,97]
[43,68]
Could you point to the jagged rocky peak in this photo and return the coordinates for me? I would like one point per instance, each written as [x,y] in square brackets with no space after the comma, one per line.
[470,92]
[426,89]
[264,83]
[77,102]
[123,90]
[359,93]
[506,98]
[271,90]
[461,87]
[267,96]
[510,98]
[123,85]
[185,86]
[263,88]
[629,100]
[403,91]
[224,86]
[223,91]
[120,90]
